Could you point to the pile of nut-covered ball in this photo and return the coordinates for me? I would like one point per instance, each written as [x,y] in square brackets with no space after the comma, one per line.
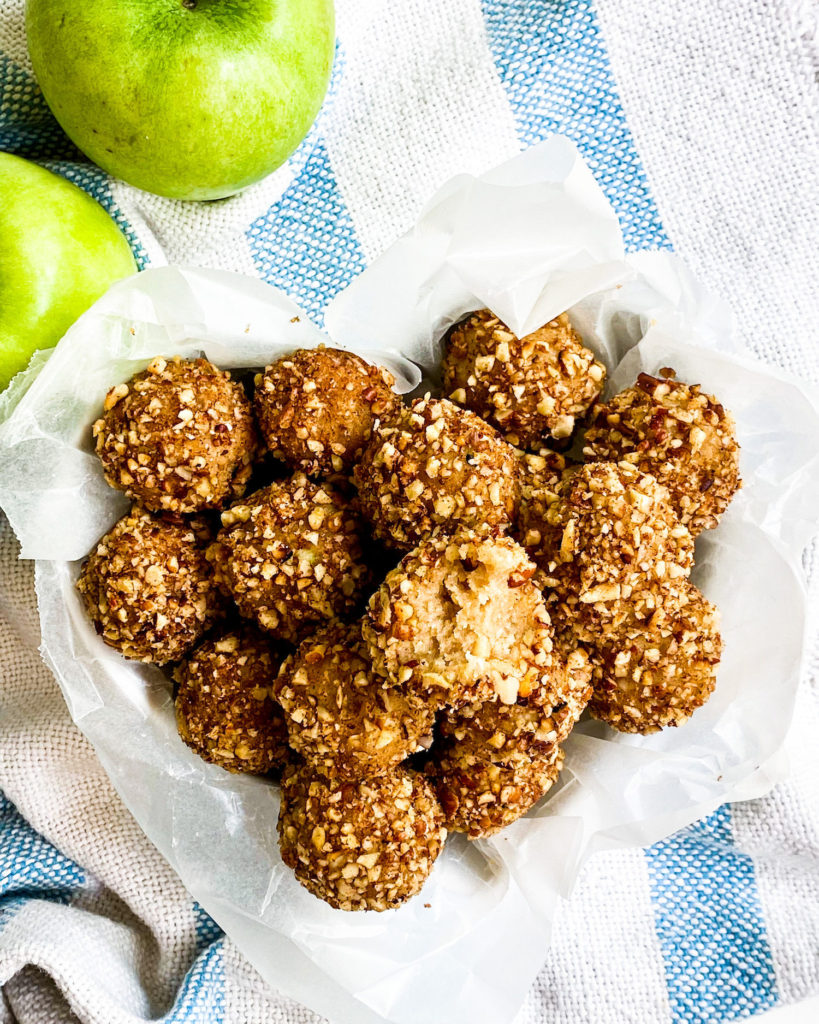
[401,610]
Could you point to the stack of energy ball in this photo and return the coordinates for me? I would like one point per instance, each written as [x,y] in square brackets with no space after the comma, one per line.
[402,610]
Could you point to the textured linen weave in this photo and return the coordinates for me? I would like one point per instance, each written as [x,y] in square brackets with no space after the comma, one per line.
[718,922]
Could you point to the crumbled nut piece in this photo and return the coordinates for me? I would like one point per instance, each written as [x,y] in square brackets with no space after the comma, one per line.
[680,435]
[435,465]
[460,619]
[317,407]
[601,546]
[148,588]
[114,395]
[657,673]
[541,476]
[281,571]
[225,710]
[530,388]
[178,437]
[341,717]
[367,845]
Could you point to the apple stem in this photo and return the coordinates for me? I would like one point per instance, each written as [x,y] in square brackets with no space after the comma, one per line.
[190,4]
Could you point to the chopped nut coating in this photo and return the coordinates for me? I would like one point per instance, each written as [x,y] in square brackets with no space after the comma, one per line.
[177,437]
[460,620]
[514,734]
[541,477]
[532,388]
[607,546]
[495,760]
[290,556]
[680,435]
[316,408]
[366,845]
[435,465]
[148,587]
[341,717]
[225,710]
[481,797]
[657,674]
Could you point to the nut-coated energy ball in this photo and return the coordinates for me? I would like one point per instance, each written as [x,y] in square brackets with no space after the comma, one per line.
[316,408]
[224,705]
[460,620]
[178,437]
[435,465]
[532,388]
[148,587]
[495,760]
[480,797]
[607,546]
[658,674]
[514,734]
[341,717]
[366,845]
[290,556]
[680,435]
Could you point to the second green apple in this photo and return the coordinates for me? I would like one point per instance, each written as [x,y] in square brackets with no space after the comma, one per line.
[192,99]
[59,252]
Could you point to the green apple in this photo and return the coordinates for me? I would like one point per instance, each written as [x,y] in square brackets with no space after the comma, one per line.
[59,251]
[192,99]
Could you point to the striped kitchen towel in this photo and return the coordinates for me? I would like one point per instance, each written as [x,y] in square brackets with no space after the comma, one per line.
[718,922]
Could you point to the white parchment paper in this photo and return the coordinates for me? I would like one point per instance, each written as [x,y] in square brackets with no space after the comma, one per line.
[533,237]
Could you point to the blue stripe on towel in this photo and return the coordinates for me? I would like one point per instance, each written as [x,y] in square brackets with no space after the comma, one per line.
[306,243]
[201,997]
[709,922]
[27,126]
[207,930]
[552,61]
[30,867]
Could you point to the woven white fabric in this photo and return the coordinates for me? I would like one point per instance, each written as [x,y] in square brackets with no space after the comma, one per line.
[723,104]
[721,99]
[135,910]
